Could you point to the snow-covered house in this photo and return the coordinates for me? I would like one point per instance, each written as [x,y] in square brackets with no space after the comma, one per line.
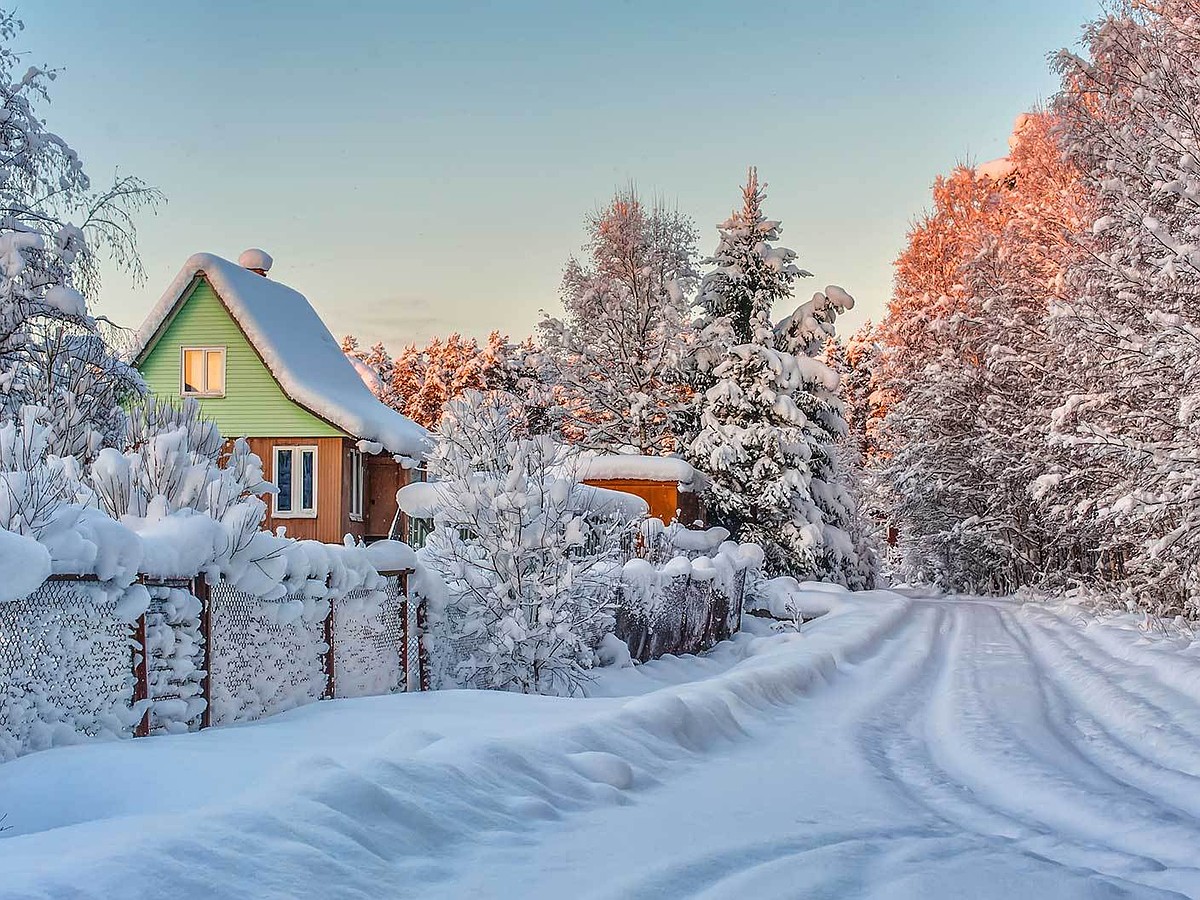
[670,486]
[262,365]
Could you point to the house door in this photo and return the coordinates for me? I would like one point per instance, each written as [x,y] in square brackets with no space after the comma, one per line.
[384,478]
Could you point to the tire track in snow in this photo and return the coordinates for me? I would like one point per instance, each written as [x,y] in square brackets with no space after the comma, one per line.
[1128,696]
[921,853]
[1114,728]
[979,746]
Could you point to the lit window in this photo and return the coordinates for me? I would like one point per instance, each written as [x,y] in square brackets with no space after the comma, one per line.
[356,485]
[202,372]
[296,482]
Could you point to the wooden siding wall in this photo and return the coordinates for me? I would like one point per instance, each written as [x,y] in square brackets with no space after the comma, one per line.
[253,403]
[382,477]
[329,525]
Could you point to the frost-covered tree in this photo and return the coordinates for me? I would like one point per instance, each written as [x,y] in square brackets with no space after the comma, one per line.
[421,380]
[617,355]
[969,375]
[771,419]
[526,552]
[748,274]
[1130,334]
[53,228]
[375,366]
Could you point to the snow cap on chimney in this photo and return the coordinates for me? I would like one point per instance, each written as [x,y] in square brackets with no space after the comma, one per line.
[256,261]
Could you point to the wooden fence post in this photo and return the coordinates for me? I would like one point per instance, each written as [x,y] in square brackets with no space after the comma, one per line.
[141,675]
[330,661]
[201,592]
[422,650]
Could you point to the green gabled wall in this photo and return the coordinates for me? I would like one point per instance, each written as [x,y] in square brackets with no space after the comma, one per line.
[253,404]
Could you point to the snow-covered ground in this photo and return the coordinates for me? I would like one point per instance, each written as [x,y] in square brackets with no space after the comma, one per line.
[898,747]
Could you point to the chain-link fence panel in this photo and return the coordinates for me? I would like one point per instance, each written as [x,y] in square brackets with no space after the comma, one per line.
[368,643]
[66,667]
[266,656]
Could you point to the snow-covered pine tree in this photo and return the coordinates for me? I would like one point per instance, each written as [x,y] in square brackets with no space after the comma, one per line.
[527,554]
[616,355]
[748,275]
[771,418]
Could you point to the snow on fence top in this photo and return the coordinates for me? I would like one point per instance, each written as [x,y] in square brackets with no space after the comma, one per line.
[632,467]
[297,349]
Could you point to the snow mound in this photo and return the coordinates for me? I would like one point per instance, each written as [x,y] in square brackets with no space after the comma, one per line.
[24,565]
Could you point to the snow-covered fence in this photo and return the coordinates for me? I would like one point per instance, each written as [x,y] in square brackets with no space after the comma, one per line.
[684,594]
[678,615]
[80,657]
[269,656]
[66,666]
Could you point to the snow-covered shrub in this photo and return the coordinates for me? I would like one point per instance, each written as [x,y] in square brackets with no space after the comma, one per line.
[196,506]
[526,551]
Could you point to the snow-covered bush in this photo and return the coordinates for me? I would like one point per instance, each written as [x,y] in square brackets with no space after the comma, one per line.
[196,506]
[526,551]
[686,593]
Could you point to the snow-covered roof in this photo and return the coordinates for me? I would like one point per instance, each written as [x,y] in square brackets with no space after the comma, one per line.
[422,499]
[632,467]
[297,349]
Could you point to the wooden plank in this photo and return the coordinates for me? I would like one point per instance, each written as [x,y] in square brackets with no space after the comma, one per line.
[202,593]
[141,675]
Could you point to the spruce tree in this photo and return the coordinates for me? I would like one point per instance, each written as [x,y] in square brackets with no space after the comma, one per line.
[771,417]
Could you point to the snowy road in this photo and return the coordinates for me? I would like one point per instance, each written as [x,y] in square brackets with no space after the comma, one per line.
[897,748]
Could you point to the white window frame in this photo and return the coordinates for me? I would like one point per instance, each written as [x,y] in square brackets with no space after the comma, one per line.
[298,511]
[183,351]
[358,483]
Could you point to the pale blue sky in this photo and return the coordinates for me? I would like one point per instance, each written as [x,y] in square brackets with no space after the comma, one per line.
[417,168]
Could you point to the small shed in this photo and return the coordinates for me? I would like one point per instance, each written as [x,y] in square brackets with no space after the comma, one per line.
[669,485]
